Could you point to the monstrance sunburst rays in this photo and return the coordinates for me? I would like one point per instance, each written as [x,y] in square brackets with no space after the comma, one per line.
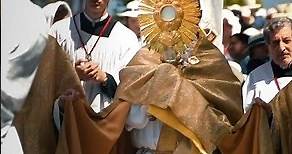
[169,23]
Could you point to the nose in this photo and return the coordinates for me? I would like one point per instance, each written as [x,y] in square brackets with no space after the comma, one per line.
[282,46]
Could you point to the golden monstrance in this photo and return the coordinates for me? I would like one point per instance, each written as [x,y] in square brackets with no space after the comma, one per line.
[170,27]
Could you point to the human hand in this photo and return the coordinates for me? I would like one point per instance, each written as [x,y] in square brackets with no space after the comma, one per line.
[100,76]
[81,69]
[88,70]
[68,96]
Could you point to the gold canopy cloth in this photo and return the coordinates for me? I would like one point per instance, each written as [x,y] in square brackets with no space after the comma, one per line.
[254,134]
[204,99]
[83,131]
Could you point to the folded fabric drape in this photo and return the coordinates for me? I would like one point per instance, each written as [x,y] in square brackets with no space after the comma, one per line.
[257,133]
[83,130]
[204,97]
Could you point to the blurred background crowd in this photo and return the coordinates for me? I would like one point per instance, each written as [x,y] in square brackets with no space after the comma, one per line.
[243,39]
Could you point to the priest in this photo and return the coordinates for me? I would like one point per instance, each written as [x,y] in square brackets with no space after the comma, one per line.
[182,102]
[268,79]
[98,46]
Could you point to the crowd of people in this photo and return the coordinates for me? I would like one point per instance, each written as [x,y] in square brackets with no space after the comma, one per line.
[184,108]
[243,37]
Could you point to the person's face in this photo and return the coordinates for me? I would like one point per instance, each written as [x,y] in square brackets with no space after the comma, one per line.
[227,31]
[133,24]
[96,6]
[237,48]
[260,52]
[280,46]
[245,20]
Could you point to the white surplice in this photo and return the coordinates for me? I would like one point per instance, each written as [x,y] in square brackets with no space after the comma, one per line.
[261,83]
[111,53]
[144,133]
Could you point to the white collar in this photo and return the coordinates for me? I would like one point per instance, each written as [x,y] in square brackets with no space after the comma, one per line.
[93,22]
